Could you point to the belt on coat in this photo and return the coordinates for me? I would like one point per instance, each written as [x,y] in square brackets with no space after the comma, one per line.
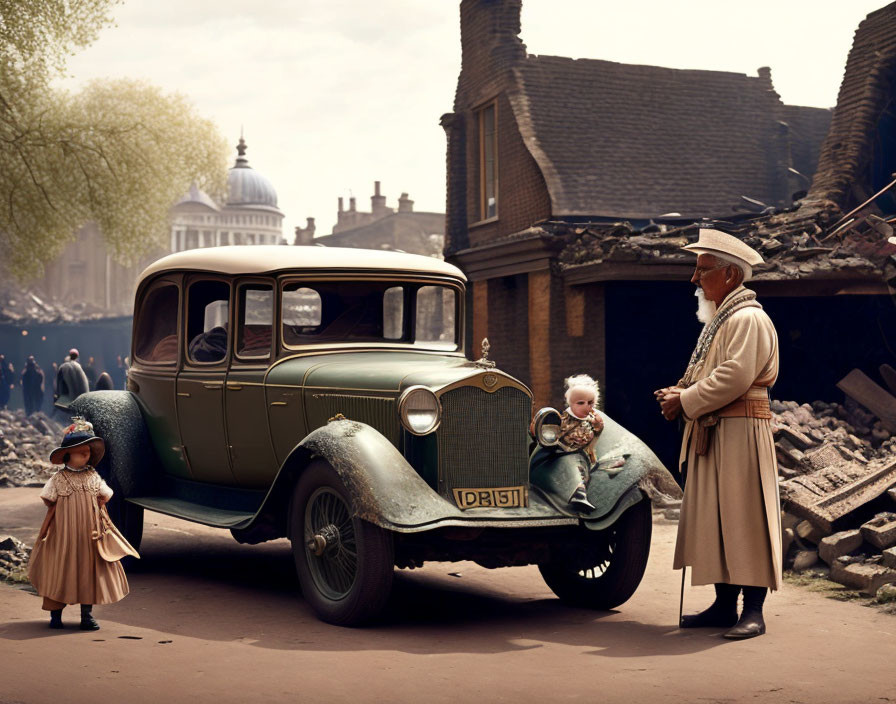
[753,404]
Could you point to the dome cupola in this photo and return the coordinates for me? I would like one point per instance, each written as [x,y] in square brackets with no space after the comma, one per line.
[245,186]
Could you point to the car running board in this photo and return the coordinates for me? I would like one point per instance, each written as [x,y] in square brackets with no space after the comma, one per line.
[197,513]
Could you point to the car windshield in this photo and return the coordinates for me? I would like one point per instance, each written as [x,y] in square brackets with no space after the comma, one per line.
[414,313]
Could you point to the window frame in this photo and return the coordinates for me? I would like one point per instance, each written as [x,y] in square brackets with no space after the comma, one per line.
[480,112]
[408,316]
[188,283]
[236,287]
[139,315]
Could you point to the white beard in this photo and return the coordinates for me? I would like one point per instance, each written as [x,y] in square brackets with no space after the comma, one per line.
[706,309]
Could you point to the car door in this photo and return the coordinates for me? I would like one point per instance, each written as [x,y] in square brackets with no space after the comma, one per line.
[153,373]
[200,383]
[245,406]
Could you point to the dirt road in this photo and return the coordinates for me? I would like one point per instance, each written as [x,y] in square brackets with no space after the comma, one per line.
[209,620]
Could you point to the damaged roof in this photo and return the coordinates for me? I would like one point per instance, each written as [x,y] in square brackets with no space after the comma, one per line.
[631,141]
[867,87]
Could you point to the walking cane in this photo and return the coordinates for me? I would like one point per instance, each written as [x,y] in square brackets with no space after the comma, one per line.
[681,599]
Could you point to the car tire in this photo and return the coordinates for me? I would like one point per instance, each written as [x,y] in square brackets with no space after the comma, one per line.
[349,582]
[624,547]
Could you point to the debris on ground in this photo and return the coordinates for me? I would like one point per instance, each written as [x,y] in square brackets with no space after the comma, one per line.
[25,446]
[837,472]
[13,560]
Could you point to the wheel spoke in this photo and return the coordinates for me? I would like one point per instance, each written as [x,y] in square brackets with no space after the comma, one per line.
[335,570]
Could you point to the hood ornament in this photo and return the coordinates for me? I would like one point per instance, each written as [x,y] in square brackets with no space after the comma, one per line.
[484,361]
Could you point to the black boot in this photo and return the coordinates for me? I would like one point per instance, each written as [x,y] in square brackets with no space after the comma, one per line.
[88,623]
[56,618]
[751,623]
[722,613]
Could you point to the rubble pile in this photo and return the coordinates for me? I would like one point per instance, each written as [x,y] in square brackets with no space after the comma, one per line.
[811,437]
[835,461]
[13,560]
[25,446]
[793,243]
[30,306]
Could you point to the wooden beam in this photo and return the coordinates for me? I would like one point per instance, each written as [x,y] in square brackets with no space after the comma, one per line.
[888,374]
[831,493]
[858,386]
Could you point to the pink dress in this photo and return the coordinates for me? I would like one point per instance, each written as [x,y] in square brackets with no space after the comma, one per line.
[65,565]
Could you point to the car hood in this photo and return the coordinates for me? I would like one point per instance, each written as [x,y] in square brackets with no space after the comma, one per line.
[381,371]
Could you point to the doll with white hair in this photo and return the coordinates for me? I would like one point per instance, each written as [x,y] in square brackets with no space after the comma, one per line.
[580,428]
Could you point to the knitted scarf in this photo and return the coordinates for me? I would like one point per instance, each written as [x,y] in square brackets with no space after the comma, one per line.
[745,299]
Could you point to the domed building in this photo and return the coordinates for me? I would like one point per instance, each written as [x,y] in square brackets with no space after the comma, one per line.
[86,276]
[250,215]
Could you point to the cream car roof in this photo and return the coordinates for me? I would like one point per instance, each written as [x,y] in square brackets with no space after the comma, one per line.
[265,259]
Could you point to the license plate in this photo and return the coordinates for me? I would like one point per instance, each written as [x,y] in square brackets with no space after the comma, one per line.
[497,497]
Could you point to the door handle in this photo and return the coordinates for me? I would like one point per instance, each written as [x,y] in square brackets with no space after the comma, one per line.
[278,403]
[186,394]
[234,387]
[212,385]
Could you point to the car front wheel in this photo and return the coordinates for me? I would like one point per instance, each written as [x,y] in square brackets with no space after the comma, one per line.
[344,564]
[602,569]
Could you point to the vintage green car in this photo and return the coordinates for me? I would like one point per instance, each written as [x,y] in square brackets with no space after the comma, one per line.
[324,395]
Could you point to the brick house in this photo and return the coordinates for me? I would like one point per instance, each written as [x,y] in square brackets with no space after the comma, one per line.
[572,185]
[402,228]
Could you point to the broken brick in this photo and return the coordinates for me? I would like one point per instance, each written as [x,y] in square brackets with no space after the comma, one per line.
[866,578]
[880,531]
[839,544]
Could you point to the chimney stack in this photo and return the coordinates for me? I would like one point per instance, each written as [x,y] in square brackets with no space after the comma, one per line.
[305,235]
[351,205]
[340,204]
[405,204]
[377,202]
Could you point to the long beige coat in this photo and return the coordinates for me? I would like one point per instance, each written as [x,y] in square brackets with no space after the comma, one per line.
[730,527]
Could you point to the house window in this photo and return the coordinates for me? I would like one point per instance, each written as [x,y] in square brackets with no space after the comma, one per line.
[488,162]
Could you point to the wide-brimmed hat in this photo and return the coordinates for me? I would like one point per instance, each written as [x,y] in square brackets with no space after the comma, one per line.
[80,432]
[726,247]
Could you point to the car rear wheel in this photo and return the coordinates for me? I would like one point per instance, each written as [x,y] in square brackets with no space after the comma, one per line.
[602,569]
[344,564]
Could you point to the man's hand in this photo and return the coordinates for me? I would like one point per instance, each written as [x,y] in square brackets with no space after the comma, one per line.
[669,399]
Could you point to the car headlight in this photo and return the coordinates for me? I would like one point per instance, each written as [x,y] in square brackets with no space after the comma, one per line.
[546,427]
[420,410]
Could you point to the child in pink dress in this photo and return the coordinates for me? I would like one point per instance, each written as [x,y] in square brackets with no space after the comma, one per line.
[65,565]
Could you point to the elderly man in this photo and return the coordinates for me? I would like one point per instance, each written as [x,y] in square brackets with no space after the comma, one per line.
[730,528]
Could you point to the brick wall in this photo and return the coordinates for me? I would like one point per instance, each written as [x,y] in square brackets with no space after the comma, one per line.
[491,48]
[578,309]
[508,326]
[522,193]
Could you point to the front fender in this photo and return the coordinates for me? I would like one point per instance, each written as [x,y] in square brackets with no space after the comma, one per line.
[624,462]
[386,490]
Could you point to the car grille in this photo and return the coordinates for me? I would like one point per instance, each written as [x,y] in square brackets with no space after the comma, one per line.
[483,440]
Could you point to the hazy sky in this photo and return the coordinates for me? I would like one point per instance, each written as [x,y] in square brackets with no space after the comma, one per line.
[335,94]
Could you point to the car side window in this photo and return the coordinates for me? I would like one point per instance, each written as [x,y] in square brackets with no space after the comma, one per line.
[207,320]
[435,324]
[255,316]
[393,313]
[156,338]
